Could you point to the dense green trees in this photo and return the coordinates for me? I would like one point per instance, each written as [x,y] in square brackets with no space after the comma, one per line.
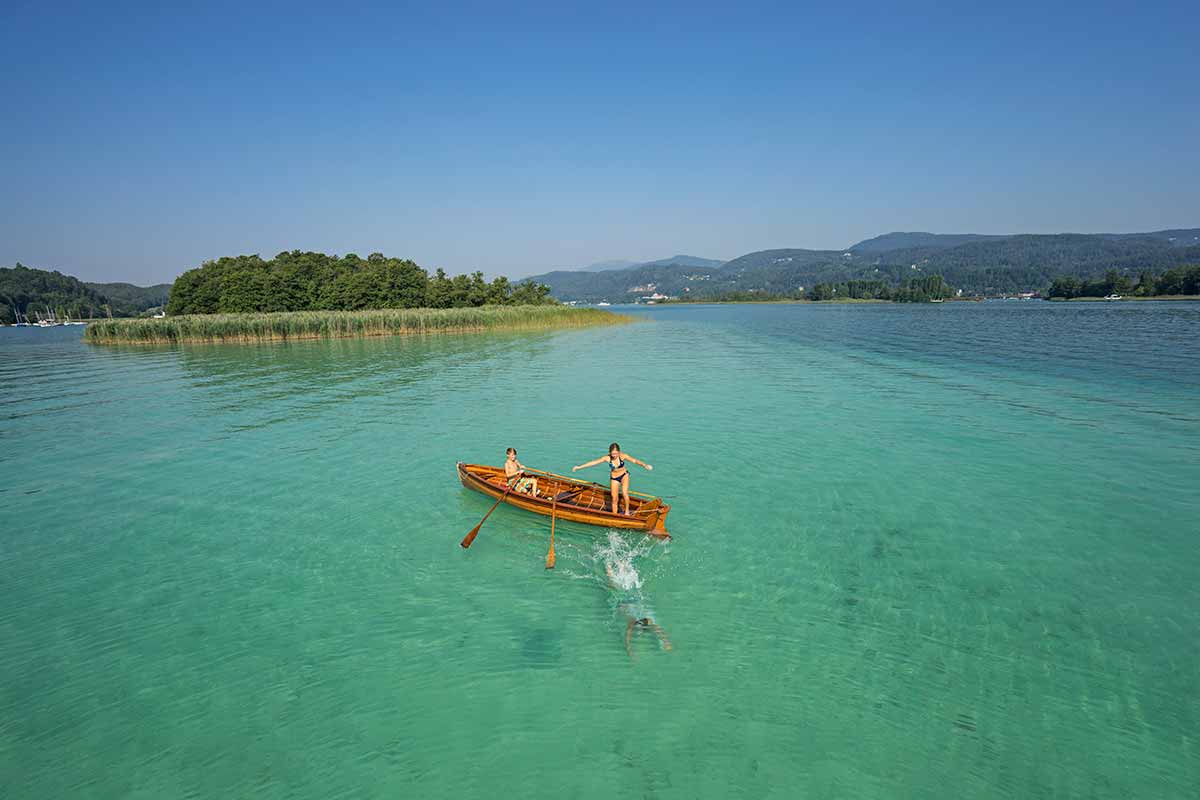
[852,290]
[128,300]
[300,281]
[33,292]
[1181,280]
[922,290]
[914,290]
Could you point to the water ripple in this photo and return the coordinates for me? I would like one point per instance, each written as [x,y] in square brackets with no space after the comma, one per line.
[915,547]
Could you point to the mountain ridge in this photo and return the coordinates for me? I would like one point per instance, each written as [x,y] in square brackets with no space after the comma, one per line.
[899,240]
[617,265]
[976,263]
[129,298]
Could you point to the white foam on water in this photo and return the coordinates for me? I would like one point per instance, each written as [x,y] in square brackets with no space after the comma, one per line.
[618,553]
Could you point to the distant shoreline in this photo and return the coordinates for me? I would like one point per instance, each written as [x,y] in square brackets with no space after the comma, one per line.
[253,328]
[776,301]
[854,301]
[1160,297]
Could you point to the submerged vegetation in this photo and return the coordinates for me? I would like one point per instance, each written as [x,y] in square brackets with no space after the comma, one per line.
[281,326]
[299,281]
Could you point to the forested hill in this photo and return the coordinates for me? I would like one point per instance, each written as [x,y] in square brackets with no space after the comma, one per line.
[1031,262]
[128,300]
[683,261]
[1177,237]
[898,240]
[38,292]
[977,264]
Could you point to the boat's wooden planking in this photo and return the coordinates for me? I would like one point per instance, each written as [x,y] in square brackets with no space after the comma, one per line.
[587,503]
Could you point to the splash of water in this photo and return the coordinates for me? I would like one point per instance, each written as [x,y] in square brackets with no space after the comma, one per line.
[618,554]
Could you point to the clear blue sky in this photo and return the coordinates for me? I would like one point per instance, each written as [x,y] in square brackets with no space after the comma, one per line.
[137,141]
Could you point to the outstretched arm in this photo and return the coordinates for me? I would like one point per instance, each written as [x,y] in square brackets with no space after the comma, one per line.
[590,463]
[636,461]
[662,635]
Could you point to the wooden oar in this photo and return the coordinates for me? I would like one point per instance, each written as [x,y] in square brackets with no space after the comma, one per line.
[550,555]
[470,537]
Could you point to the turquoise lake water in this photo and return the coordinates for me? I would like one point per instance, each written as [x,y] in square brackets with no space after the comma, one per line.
[919,551]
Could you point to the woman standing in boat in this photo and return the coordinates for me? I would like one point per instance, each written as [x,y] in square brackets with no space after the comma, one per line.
[618,473]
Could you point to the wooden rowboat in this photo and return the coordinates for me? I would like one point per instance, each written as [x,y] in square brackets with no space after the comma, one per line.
[571,499]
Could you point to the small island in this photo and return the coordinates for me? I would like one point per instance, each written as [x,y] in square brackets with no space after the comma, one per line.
[299,295]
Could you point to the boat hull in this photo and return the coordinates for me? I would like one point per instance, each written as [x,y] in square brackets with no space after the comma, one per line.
[586,502]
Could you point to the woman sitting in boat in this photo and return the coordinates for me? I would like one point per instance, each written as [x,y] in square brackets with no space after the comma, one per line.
[514,473]
[618,473]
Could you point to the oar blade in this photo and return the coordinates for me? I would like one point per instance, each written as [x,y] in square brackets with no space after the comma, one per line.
[470,537]
[550,555]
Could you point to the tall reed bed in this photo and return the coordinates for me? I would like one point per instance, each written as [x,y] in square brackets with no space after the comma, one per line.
[338,324]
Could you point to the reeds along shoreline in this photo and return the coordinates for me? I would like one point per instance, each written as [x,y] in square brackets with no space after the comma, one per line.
[285,325]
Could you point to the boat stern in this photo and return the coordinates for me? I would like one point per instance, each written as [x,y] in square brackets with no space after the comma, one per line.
[659,528]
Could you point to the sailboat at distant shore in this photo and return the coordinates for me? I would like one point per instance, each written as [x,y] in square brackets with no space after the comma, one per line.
[48,321]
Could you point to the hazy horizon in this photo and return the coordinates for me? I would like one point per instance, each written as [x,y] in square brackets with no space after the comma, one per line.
[531,139]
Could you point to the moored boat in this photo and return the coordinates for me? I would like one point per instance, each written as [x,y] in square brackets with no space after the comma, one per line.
[570,499]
